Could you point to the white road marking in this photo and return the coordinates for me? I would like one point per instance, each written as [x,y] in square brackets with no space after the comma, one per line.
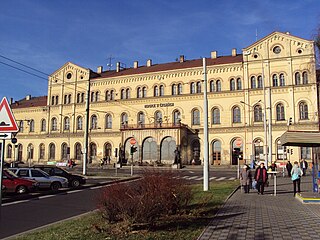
[232,178]
[47,196]
[17,202]
[201,178]
[221,178]
[96,187]
[194,177]
[212,178]
[75,191]
[191,172]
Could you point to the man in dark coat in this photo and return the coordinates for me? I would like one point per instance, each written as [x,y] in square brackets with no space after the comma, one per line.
[304,166]
[261,176]
[289,168]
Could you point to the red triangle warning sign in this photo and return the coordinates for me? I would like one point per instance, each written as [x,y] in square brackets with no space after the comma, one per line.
[7,121]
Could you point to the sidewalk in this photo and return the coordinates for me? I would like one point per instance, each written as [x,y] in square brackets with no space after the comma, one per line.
[253,216]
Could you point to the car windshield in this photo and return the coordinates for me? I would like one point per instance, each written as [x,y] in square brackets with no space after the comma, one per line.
[10,173]
[41,172]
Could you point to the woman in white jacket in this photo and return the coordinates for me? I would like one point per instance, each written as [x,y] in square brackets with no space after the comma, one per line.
[296,174]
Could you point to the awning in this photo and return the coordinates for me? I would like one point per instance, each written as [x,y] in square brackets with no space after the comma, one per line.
[300,139]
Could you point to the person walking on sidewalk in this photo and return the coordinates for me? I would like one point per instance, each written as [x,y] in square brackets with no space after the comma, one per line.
[261,177]
[304,166]
[289,168]
[245,178]
[296,173]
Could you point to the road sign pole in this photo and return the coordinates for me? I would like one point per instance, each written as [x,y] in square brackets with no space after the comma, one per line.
[1,169]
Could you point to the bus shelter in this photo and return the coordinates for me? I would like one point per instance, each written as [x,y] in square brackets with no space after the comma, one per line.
[306,139]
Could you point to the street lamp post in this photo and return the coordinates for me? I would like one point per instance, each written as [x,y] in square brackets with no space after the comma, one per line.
[205,130]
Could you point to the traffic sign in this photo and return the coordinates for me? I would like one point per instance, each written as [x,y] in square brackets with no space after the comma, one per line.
[238,142]
[5,136]
[133,141]
[7,121]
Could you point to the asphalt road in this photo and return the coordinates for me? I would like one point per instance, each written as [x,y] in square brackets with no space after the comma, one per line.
[20,215]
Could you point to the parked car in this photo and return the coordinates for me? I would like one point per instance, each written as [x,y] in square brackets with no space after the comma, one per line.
[73,179]
[14,184]
[44,179]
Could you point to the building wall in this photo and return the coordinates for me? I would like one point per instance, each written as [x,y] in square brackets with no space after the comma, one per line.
[259,59]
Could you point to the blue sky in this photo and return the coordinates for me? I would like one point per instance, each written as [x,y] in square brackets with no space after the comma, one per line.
[46,34]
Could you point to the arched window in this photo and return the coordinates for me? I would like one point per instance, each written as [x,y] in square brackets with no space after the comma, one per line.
[52,151]
[144,92]
[161,90]
[232,85]
[78,97]
[108,121]
[107,97]
[257,113]
[78,152]
[198,87]
[280,112]
[305,78]
[97,96]
[158,117]
[123,93]
[297,78]
[94,122]
[65,99]
[66,123]
[92,151]
[139,92]
[174,89]
[176,117]
[52,100]
[21,126]
[79,123]
[193,88]
[141,119]
[54,124]
[30,150]
[282,80]
[112,95]
[275,80]
[236,115]
[92,99]
[253,82]
[124,119]
[260,83]
[82,97]
[41,151]
[195,117]
[57,100]
[64,151]
[69,98]
[127,93]
[180,88]
[43,125]
[212,86]
[218,86]
[281,151]
[239,85]
[9,151]
[31,125]
[155,91]
[216,116]
[303,111]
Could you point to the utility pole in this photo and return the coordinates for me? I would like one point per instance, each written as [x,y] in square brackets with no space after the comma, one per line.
[86,130]
[205,130]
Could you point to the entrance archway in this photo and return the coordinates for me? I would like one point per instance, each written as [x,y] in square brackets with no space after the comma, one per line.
[168,145]
[149,149]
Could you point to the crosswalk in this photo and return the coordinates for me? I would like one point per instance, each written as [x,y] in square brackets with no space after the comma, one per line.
[197,178]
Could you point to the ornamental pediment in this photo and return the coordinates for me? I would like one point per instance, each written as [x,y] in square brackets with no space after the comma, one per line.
[70,72]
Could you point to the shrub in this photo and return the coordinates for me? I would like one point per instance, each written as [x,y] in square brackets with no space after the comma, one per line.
[145,200]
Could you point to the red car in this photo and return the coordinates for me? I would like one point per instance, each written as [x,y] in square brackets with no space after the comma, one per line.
[14,184]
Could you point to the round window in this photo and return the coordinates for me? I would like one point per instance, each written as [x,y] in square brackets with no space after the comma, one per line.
[276,49]
[69,76]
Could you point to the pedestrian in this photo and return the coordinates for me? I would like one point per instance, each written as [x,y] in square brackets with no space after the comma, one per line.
[304,166]
[289,168]
[245,178]
[273,167]
[261,176]
[296,173]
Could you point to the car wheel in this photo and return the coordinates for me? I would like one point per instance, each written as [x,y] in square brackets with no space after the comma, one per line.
[55,186]
[75,183]
[21,189]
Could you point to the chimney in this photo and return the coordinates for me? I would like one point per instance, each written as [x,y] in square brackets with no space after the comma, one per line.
[118,66]
[181,58]
[214,54]
[135,64]
[11,101]
[28,97]
[234,52]
[99,69]
[149,63]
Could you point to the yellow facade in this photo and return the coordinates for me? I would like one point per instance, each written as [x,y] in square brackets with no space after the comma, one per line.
[161,106]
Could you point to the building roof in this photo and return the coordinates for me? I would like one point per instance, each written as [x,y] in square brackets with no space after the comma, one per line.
[171,66]
[32,102]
